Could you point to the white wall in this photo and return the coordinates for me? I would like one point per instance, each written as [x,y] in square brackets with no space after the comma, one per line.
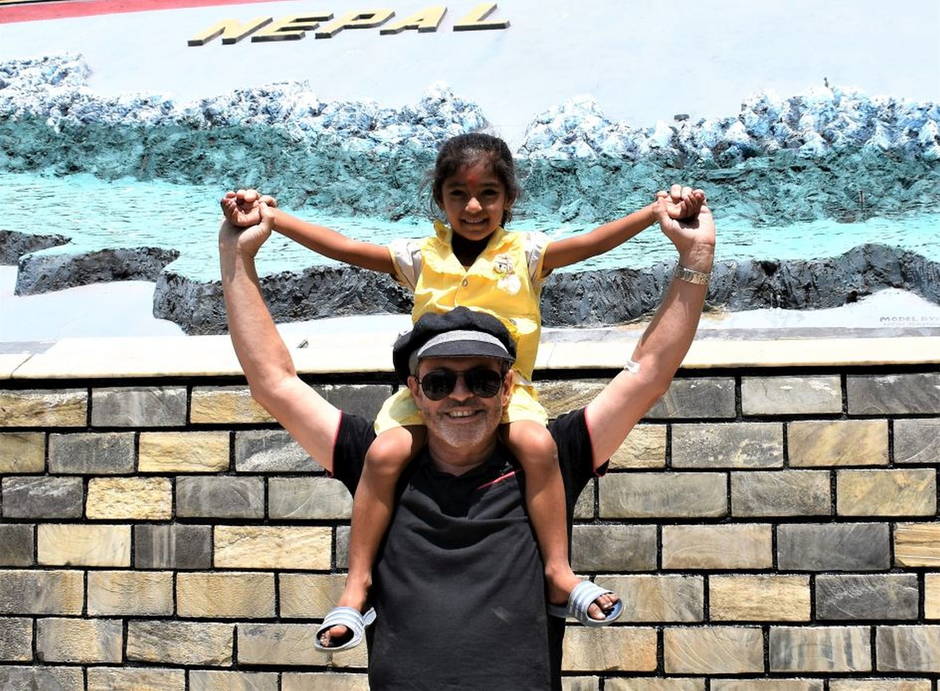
[640,62]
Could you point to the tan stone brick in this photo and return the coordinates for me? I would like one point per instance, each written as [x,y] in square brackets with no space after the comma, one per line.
[767,685]
[225,595]
[713,650]
[79,640]
[880,685]
[309,595]
[820,649]
[580,683]
[759,598]
[658,598]
[654,684]
[838,442]
[135,679]
[22,452]
[664,495]
[130,592]
[886,492]
[132,498]
[608,649]
[644,447]
[225,405]
[41,592]
[291,645]
[917,544]
[214,680]
[324,681]
[560,397]
[791,395]
[268,547]
[84,545]
[932,596]
[908,648]
[44,408]
[181,642]
[740,546]
[183,452]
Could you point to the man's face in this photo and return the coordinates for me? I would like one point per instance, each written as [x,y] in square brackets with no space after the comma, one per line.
[461,419]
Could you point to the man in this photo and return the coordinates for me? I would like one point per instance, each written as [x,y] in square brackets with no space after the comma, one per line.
[458,586]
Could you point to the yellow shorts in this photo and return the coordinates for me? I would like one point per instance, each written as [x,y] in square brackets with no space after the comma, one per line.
[400,410]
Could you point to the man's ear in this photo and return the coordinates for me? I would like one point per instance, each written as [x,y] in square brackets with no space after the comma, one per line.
[508,380]
[413,387]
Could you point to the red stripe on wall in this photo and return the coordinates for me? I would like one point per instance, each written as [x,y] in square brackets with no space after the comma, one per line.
[38,11]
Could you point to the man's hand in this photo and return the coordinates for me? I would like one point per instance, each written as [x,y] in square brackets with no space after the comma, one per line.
[694,237]
[243,208]
[247,241]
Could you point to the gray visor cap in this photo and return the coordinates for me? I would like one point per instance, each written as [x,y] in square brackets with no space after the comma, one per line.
[461,344]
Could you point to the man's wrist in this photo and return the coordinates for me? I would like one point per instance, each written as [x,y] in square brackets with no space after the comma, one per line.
[698,257]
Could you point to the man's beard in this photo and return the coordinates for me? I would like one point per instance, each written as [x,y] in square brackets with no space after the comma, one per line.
[479,431]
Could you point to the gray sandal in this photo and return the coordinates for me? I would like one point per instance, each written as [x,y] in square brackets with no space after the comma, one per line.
[583,596]
[352,619]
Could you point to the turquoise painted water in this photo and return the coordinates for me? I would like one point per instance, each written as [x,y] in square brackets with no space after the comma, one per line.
[127,212]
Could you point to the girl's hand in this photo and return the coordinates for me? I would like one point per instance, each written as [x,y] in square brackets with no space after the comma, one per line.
[683,202]
[242,208]
[247,241]
[694,238]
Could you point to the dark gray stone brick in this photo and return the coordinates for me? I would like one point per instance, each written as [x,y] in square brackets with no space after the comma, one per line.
[893,394]
[613,548]
[16,544]
[271,451]
[43,497]
[58,678]
[728,445]
[791,395]
[41,592]
[358,399]
[16,639]
[869,596]
[172,546]
[220,497]
[705,397]
[917,441]
[98,453]
[780,493]
[342,546]
[834,547]
[663,495]
[139,406]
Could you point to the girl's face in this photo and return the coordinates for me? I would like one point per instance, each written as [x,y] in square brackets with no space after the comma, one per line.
[474,199]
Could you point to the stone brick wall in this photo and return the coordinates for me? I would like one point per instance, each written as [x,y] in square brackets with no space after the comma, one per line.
[767,530]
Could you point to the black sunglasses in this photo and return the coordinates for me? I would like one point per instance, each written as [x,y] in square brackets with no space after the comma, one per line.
[439,383]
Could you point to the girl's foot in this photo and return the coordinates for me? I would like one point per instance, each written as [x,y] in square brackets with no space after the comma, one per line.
[337,635]
[561,581]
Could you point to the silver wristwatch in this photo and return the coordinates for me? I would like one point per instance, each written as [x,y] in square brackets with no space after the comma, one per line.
[691,276]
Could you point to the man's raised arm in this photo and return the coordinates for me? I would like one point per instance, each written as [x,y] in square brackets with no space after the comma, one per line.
[625,400]
[261,351]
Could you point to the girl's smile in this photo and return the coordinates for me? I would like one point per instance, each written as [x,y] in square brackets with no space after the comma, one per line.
[474,200]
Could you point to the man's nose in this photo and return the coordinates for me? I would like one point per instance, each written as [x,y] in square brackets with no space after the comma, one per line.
[461,392]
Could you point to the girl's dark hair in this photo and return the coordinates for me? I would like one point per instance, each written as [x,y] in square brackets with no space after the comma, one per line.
[467,149]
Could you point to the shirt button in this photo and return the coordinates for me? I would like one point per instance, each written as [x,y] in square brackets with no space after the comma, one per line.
[464,282]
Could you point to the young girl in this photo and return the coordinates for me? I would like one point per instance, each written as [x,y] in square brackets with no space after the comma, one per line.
[471,261]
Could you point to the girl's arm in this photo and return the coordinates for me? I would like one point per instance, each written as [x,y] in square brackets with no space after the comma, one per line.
[602,239]
[681,204]
[243,209]
[334,245]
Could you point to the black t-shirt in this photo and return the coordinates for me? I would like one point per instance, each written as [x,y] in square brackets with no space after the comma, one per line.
[458,584]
